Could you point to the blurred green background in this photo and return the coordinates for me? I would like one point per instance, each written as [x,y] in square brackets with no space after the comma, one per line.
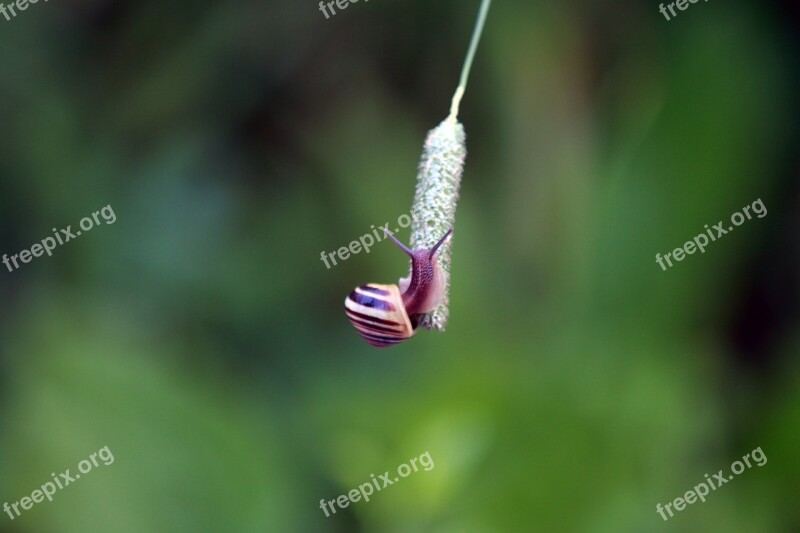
[201,338]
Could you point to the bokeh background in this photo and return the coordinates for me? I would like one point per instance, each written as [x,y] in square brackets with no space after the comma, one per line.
[203,340]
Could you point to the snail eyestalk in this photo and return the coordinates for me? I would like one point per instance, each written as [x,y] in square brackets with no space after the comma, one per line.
[438,244]
[438,181]
[398,243]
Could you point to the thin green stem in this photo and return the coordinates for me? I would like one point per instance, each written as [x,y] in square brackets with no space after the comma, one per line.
[473,46]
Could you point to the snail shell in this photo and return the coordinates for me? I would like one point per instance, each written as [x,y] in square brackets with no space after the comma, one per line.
[378,314]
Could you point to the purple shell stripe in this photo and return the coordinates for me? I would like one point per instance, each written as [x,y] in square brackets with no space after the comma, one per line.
[377,344]
[373,327]
[378,339]
[362,316]
[374,290]
[369,329]
[369,301]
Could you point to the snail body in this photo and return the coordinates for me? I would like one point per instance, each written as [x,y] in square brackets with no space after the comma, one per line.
[385,315]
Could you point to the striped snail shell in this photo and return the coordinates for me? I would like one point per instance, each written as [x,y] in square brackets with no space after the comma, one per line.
[386,315]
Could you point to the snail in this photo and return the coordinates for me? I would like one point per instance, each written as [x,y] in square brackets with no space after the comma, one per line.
[386,315]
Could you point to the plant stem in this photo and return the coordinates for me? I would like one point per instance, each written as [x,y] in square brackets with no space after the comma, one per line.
[438,181]
[473,46]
